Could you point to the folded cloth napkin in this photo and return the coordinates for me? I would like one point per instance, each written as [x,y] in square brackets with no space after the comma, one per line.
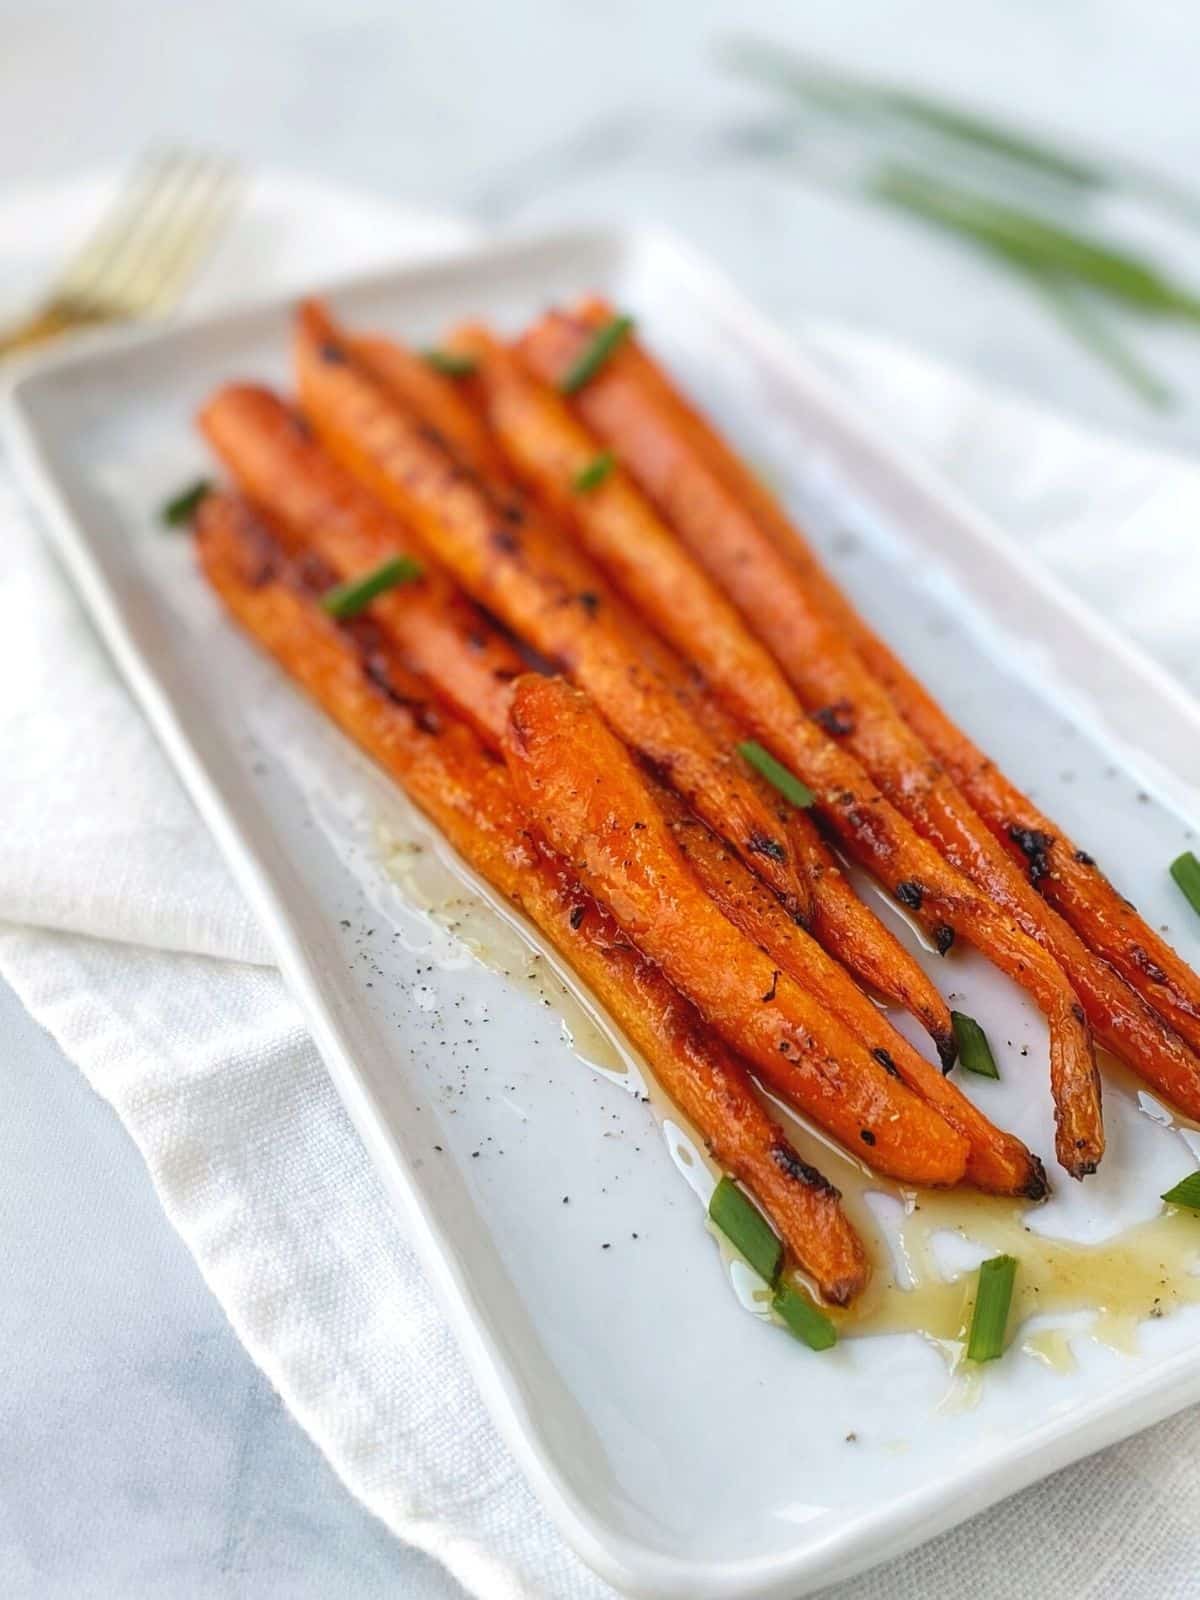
[125,937]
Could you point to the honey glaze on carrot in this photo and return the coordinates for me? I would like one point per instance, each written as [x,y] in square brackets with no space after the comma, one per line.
[1102,1291]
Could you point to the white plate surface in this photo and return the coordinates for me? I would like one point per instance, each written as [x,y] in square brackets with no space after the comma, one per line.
[684,1448]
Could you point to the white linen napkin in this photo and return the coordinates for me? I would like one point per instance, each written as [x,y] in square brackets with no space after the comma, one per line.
[125,937]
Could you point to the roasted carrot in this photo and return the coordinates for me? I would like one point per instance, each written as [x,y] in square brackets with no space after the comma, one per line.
[840,922]
[357,677]
[511,562]
[685,603]
[927,767]
[438,400]
[581,788]
[278,465]
[997,1161]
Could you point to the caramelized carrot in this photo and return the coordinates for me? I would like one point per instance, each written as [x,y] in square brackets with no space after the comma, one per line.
[997,1162]
[510,562]
[357,677]
[862,686]
[435,398]
[689,609]
[581,788]
[279,466]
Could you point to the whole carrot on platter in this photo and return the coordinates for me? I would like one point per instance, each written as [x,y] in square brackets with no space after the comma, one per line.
[353,673]
[688,607]
[580,786]
[1066,875]
[508,560]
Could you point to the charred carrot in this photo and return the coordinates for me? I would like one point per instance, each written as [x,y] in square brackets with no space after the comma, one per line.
[356,676]
[997,1161]
[510,562]
[689,606]
[580,786]
[1146,1018]
[279,465]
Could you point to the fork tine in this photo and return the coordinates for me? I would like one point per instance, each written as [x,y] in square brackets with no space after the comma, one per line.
[195,228]
[171,208]
[105,245]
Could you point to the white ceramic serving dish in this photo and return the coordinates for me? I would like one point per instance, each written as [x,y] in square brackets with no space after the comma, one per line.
[683,1447]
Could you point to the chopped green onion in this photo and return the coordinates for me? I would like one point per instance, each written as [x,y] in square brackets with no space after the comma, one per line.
[1185,869]
[789,786]
[599,348]
[594,474]
[1185,1193]
[744,1225]
[349,598]
[803,1319]
[974,1052]
[993,1298]
[451,364]
[182,508]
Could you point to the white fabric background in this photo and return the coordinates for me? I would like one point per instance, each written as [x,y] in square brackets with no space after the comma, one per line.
[127,940]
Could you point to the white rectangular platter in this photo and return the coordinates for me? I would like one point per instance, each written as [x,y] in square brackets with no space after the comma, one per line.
[685,1448]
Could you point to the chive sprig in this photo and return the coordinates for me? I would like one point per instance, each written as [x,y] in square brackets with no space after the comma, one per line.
[347,599]
[776,774]
[603,344]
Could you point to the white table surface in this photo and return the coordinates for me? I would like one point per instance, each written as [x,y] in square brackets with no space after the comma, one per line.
[141,1453]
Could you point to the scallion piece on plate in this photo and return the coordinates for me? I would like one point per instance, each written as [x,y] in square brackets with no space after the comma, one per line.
[348,599]
[599,348]
[993,1298]
[974,1052]
[594,474]
[803,1318]
[1185,869]
[1185,1193]
[451,364]
[775,773]
[744,1225]
[183,506]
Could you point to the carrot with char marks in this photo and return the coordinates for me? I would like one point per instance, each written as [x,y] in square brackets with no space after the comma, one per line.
[354,675]
[685,604]
[997,1161]
[952,793]
[510,562]
[581,788]
[838,918]
[315,505]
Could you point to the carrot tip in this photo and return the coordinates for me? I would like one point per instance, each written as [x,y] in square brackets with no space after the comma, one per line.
[947,1050]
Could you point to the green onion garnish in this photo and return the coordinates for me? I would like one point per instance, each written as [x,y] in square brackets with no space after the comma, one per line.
[744,1225]
[592,358]
[993,1298]
[775,773]
[594,474]
[803,1319]
[451,364]
[1185,1193]
[974,1052]
[1185,869]
[183,507]
[349,598]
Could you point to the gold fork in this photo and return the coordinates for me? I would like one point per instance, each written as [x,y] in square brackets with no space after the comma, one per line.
[139,258]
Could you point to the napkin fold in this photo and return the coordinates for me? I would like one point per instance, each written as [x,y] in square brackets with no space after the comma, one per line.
[125,937]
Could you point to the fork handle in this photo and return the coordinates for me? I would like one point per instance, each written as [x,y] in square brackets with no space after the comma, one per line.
[48,322]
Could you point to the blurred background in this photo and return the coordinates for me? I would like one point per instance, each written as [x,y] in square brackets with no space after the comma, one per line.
[530,112]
